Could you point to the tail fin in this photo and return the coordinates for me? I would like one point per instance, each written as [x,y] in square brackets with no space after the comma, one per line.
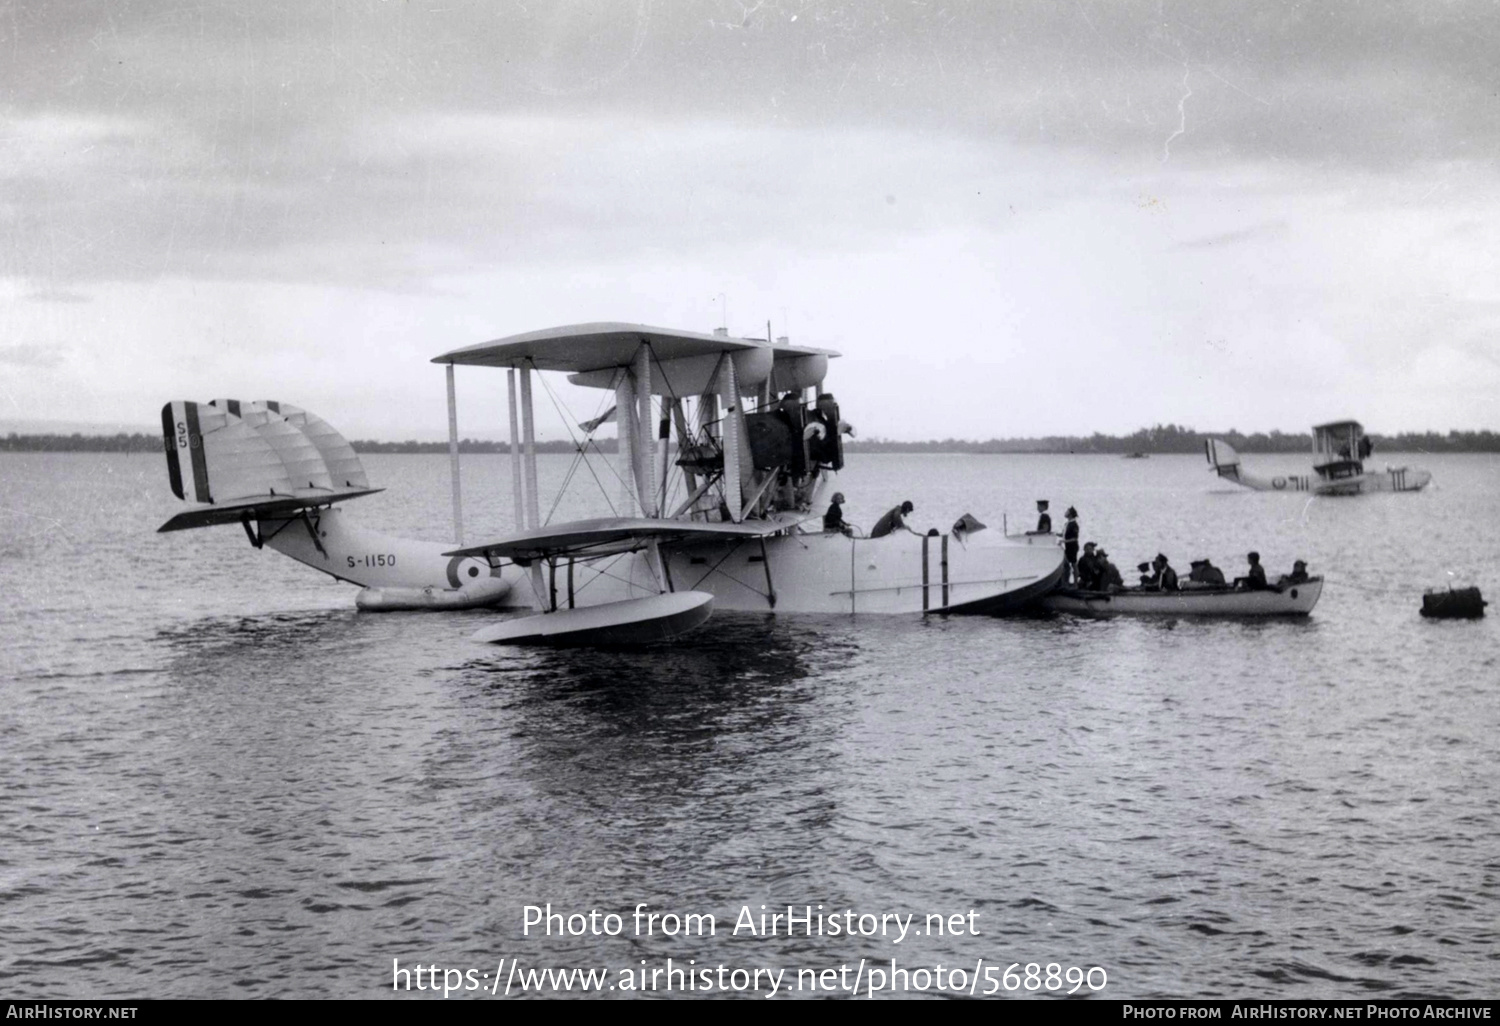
[343,464]
[246,459]
[1223,458]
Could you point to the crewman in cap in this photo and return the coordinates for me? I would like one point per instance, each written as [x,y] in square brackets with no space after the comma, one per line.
[1043,519]
[1109,574]
[1088,568]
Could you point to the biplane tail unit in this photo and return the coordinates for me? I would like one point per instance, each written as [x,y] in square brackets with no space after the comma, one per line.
[279,472]
[1340,450]
[726,447]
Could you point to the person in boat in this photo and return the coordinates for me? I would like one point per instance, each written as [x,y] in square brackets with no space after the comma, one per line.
[1164,578]
[1088,568]
[1070,543]
[1043,518]
[1109,574]
[1255,577]
[833,520]
[894,520]
[1148,578]
[1297,576]
[1204,572]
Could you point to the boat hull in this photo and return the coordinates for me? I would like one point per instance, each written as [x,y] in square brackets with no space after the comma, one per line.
[1294,600]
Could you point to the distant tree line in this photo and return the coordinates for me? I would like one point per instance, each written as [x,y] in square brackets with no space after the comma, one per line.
[1161,439]
[1173,438]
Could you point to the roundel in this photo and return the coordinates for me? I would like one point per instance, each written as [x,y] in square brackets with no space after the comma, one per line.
[1278,482]
[459,574]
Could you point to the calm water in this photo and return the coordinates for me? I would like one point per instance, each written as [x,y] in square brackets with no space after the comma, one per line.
[221,780]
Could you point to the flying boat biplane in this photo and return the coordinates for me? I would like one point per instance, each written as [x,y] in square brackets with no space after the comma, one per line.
[1339,453]
[726,446]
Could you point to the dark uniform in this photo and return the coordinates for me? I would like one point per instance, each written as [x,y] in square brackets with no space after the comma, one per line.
[1070,544]
[1088,570]
[892,521]
[833,520]
[1255,577]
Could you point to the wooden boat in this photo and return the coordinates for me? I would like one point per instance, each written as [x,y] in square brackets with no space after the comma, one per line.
[1291,600]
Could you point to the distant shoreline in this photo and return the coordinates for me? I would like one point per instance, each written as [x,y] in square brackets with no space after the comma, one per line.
[1158,441]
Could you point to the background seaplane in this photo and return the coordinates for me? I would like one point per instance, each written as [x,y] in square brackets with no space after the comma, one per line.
[1339,452]
[733,521]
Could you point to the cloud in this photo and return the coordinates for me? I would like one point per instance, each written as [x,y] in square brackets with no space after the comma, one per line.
[1219,239]
[28,355]
[56,296]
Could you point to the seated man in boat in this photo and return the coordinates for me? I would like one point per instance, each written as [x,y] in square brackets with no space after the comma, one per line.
[1043,519]
[1255,577]
[1204,572]
[1109,574]
[833,520]
[1165,578]
[1297,576]
[1148,578]
[1088,568]
[895,519]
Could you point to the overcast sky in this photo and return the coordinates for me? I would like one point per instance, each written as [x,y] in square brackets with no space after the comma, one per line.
[1012,218]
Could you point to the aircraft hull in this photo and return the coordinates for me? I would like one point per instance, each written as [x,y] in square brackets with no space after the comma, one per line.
[1393,479]
[902,573]
[390,565]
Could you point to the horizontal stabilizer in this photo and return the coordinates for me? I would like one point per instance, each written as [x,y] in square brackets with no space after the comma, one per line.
[263,507]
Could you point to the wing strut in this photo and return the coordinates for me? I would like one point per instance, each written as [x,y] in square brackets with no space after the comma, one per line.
[765,561]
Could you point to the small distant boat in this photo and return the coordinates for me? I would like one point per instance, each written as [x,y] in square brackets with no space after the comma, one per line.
[1339,453]
[1136,456]
[1291,600]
